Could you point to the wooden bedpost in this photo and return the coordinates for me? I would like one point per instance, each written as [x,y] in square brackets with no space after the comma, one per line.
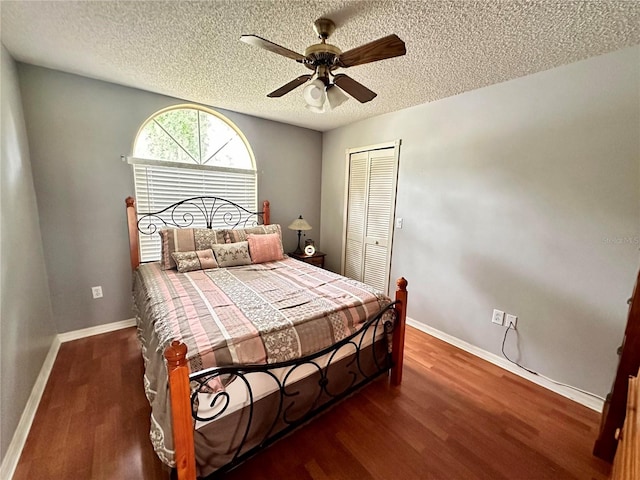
[176,355]
[132,225]
[266,215]
[397,354]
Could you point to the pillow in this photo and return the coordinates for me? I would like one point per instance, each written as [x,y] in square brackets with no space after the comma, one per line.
[240,234]
[198,260]
[232,254]
[186,240]
[265,248]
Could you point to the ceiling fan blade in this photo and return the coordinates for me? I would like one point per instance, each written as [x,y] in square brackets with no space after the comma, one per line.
[386,47]
[353,88]
[295,83]
[272,47]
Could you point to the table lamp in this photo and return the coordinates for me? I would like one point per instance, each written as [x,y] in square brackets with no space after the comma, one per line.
[299,224]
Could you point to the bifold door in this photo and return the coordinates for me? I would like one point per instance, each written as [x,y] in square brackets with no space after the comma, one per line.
[371,198]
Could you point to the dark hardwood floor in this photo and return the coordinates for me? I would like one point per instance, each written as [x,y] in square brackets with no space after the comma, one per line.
[454,417]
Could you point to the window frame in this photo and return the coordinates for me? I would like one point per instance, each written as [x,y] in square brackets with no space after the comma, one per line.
[149,244]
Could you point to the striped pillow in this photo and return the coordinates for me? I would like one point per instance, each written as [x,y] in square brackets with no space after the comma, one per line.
[240,234]
[186,240]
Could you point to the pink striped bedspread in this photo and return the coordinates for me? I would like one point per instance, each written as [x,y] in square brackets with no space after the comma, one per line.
[263,313]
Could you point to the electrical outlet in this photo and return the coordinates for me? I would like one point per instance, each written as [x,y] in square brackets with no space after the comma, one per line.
[399,223]
[498,317]
[96,291]
[512,321]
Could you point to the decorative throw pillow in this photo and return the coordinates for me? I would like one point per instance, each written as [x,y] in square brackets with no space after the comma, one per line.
[232,254]
[197,260]
[265,248]
[186,240]
[240,234]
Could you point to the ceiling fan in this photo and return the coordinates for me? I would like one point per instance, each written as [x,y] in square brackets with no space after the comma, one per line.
[323,58]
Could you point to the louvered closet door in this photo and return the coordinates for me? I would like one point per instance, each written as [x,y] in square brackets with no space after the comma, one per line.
[370,216]
[356,215]
[379,223]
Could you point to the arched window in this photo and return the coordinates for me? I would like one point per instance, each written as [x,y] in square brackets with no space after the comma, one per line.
[187,151]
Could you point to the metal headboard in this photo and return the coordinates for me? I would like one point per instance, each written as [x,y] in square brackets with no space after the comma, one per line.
[214,212]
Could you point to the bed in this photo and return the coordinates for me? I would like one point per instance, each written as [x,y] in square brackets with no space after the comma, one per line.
[239,354]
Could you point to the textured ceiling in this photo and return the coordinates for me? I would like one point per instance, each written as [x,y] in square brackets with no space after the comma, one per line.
[191,50]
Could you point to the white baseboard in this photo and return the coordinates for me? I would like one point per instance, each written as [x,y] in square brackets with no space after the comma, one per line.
[11,458]
[89,332]
[579,397]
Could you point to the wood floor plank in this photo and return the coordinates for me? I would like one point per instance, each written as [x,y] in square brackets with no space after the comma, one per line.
[455,416]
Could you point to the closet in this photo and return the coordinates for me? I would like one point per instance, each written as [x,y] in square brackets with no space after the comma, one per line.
[372,174]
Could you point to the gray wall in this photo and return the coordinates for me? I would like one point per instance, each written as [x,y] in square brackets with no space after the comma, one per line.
[26,323]
[522,196]
[78,128]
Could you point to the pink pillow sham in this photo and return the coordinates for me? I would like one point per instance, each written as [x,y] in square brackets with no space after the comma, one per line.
[265,248]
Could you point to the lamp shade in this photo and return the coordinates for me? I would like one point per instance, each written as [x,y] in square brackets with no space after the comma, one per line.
[335,97]
[299,224]
[314,93]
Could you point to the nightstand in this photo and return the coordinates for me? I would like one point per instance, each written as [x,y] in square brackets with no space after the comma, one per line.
[316,259]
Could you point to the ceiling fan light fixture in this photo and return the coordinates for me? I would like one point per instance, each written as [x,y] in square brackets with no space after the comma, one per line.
[314,94]
[335,97]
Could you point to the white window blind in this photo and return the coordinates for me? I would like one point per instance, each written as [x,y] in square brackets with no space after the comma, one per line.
[157,187]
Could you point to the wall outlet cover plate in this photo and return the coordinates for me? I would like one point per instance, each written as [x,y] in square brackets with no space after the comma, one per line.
[498,317]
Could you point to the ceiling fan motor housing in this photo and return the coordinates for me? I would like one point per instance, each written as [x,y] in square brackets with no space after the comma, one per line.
[322,54]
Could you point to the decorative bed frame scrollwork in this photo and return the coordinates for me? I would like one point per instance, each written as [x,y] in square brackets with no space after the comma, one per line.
[216,212]
[362,364]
